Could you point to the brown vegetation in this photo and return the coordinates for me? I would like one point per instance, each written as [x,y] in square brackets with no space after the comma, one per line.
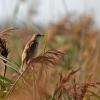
[66,66]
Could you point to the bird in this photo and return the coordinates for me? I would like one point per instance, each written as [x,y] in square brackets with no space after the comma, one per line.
[30,49]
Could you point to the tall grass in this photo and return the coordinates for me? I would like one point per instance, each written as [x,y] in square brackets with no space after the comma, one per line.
[67,68]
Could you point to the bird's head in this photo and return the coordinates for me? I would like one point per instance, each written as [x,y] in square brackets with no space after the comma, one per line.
[38,36]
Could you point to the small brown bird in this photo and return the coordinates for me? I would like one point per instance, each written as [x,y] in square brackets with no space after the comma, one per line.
[30,49]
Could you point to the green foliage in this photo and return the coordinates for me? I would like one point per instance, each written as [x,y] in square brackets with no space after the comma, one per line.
[4,82]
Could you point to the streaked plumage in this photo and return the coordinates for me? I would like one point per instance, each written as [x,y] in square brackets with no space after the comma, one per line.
[30,49]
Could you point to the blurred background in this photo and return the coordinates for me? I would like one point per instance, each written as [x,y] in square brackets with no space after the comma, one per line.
[45,12]
[72,26]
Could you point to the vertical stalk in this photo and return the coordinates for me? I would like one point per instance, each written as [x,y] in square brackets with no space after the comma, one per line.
[5,70]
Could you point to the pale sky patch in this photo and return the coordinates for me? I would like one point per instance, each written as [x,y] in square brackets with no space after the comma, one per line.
[48,10]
